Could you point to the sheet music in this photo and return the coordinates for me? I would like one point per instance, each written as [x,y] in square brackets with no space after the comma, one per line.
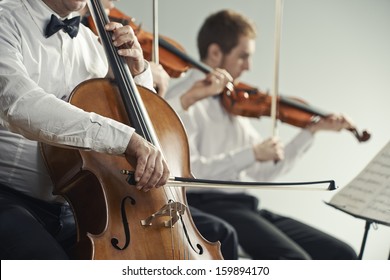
[368,194]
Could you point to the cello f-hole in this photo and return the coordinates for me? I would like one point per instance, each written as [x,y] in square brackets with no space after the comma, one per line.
[115,241]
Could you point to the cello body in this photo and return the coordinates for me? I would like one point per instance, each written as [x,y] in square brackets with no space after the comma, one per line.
[114,219]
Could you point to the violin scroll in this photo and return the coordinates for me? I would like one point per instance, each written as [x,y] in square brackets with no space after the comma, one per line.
[361,137]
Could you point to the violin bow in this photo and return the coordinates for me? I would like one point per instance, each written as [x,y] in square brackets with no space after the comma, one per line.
[155,56]
[275,90]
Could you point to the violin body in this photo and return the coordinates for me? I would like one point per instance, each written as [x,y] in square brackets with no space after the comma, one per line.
[110,212]
[250,102]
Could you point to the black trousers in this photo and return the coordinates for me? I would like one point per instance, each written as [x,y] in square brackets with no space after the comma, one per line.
[266,235]
[32,229]
[215,229]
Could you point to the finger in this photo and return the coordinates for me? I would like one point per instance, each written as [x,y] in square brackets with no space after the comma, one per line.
[127,40]
[224,75]
[153,172]
[274,140]
[223,79]
[129,53]
[165,176]
[111,26]
[123,35]
[155,179]
[146,174]
[215,80]
[140,169]
[280,156]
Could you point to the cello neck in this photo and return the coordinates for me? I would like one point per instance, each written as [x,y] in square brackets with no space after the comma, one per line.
[128,90]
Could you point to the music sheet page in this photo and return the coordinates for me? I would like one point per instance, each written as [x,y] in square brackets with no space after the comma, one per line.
[368,194]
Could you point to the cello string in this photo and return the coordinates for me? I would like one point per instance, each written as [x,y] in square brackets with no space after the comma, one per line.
[173,191]
[128,90]
[182,249]
[121,72]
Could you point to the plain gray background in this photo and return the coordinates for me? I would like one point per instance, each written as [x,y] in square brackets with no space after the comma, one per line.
[335,54]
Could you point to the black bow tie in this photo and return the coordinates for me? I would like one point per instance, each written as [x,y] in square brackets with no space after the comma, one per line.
[70,26]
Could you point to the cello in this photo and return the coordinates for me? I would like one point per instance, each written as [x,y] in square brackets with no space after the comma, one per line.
[115,220]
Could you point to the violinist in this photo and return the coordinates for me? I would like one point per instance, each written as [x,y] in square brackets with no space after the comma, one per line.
[227,147]
[211,227]
[45,55]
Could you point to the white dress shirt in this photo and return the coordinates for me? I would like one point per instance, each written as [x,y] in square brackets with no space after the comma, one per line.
[221,144]
[37,75]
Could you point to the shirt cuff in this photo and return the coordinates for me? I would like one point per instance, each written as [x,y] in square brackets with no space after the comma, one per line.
[113,137]
[145,78]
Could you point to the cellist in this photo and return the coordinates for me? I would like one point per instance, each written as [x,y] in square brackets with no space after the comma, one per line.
[45,54]
[210,226]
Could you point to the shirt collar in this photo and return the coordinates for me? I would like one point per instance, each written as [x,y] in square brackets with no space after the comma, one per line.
[41,13]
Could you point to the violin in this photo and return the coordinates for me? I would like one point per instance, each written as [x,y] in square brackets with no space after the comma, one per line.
[248,101]
[172,64]
[244,100]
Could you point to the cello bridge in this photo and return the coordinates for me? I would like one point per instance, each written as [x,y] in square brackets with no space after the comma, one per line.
[172,210]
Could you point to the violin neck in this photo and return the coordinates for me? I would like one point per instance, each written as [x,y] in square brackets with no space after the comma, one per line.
[128,90]
[302,106]
[169,47]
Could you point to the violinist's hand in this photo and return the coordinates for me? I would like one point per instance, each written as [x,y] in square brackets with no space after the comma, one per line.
[333,122]
[270,149]
[151,170]
[160,78]
[213,84]
[123,37]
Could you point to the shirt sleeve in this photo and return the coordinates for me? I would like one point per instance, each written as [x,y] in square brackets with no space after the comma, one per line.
[240,163]
[225,165]
[145,79]
[228,164]
[269,170]
[29,110]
